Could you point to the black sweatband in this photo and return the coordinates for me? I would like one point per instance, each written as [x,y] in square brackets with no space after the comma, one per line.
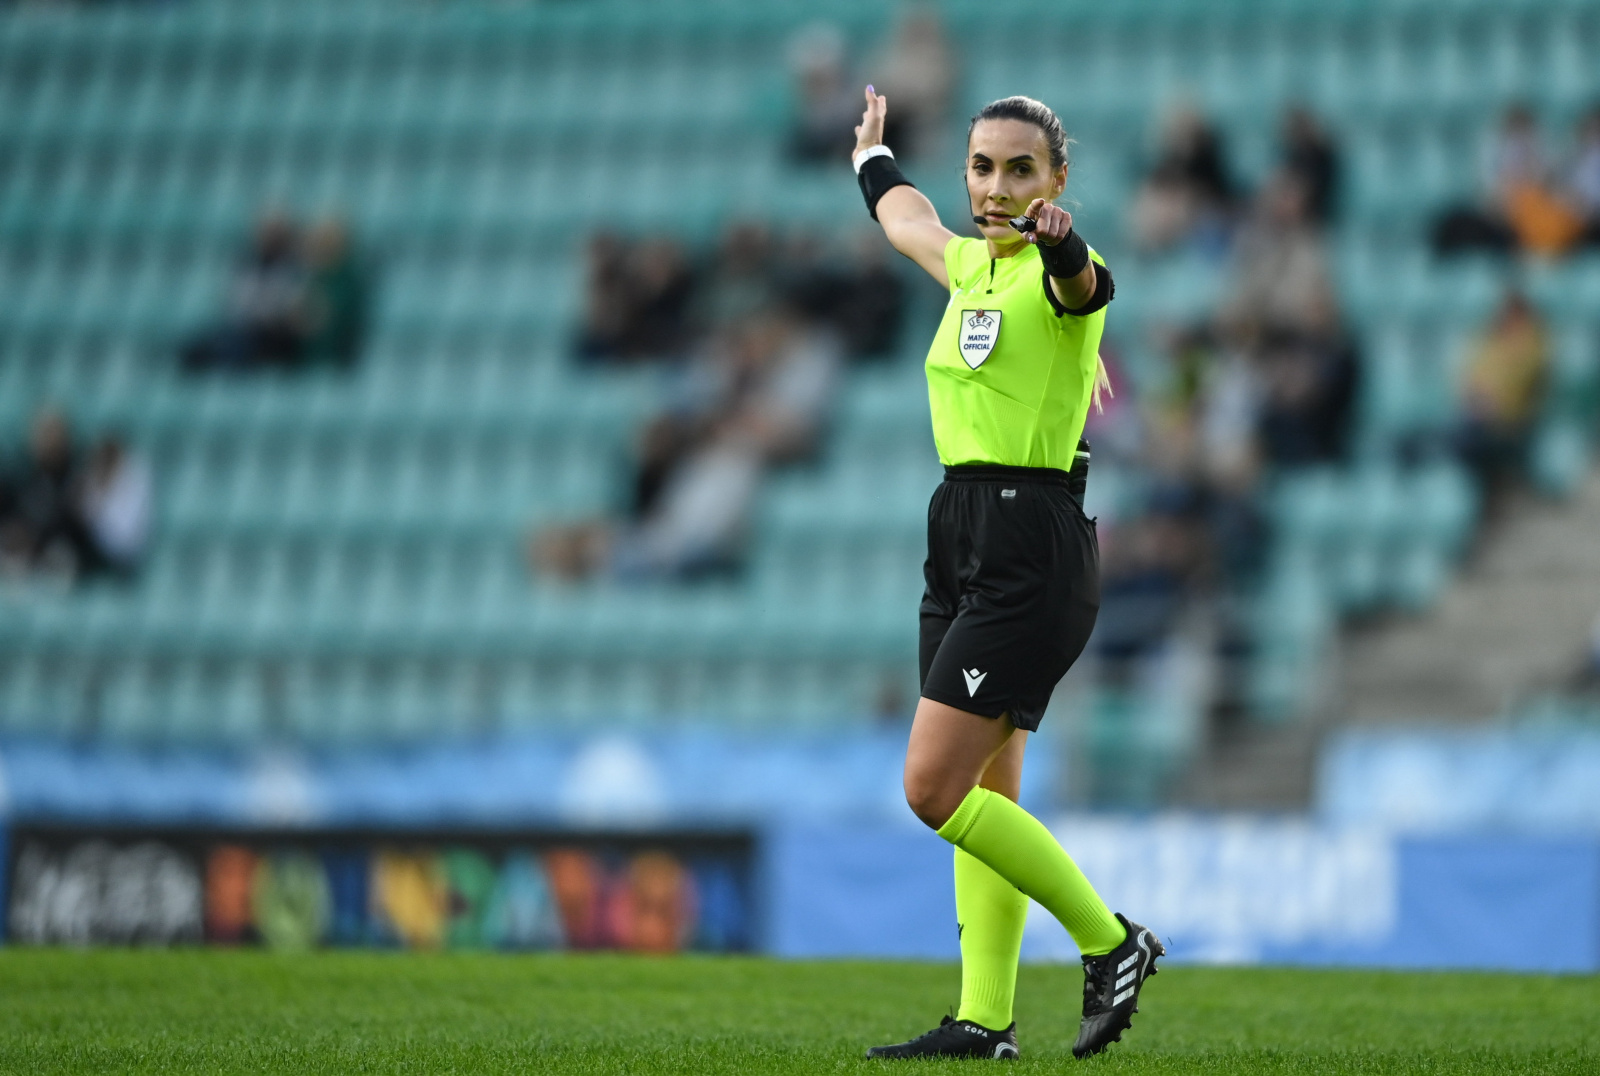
[1105,289]
[878,176]
[1067,258]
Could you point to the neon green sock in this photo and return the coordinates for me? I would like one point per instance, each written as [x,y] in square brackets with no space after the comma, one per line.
[991,912]
[1018,848]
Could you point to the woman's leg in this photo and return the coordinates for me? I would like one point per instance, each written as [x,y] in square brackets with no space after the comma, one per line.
[949,752]
[991,913]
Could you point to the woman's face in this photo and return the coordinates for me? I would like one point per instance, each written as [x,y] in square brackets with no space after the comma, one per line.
[1008,166]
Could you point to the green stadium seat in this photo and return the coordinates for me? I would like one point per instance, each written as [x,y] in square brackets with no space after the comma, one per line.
[41,697]
[1560,456]
[133,703]
[1416,575]
[1445,504]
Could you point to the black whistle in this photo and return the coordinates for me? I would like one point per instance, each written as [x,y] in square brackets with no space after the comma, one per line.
[1023,224]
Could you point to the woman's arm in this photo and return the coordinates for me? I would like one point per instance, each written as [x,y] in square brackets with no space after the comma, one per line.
[1053,225]
[908,218]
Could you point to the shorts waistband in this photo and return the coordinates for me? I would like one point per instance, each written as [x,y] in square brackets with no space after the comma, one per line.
[999,472]
[1075,481]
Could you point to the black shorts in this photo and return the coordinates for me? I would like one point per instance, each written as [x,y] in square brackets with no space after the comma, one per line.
[1013,588]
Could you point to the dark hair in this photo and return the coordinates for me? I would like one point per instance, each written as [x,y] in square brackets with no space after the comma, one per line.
[1027,110]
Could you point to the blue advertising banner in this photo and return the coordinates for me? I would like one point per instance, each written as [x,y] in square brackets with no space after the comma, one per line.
[879,891]
[1528,778]
[1219,890]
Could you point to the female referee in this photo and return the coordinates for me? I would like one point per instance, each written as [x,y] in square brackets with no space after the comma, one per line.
[1013,564]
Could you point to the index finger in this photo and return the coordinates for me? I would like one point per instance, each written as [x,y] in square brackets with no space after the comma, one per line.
[1033,208]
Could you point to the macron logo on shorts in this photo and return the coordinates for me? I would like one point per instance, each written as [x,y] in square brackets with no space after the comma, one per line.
[974,681]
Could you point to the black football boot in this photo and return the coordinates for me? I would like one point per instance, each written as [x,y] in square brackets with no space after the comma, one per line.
[1111,988]
[955,1038]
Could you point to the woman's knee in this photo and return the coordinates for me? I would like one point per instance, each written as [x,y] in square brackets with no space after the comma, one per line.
[930,799]
[947,755]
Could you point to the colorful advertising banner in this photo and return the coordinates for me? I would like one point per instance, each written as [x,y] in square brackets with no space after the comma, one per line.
[299,889]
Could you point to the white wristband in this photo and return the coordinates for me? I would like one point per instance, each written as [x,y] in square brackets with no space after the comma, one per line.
[880,150]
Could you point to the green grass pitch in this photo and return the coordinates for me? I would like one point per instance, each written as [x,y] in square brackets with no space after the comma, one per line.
[224,1012]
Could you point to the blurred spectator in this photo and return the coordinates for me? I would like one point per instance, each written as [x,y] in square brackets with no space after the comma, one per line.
[651,303]
[1309,154]
[1280,282]
[829,104]
[638,301]
[42,530]
[1145,576]
[607,295]
[1223,409]
[1502,389]
[766,324]
[114,500]
[859,294]
[294,301]
[333,315]
[1266,381]
[1519,208]
[764,381]
[1583,176]
[758,395]
[1514,157]
[1187,528]
[1220,469]
[1187,194]
[63,516]
[746,275]
[1308,400]
[263,322]
[916,71]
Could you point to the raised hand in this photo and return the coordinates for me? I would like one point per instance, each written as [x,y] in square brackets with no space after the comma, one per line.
[1053,223]
[870,133]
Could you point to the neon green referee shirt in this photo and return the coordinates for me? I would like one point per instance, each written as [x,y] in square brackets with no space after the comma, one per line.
[1009,380]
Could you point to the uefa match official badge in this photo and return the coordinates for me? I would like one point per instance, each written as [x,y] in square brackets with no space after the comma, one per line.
[980,329]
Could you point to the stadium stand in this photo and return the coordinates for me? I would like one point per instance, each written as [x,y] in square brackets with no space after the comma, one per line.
[336,556]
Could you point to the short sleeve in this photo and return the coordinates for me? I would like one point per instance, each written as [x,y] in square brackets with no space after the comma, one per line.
[958,260]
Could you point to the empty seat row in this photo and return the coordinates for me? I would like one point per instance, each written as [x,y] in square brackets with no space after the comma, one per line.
[1375,535]
[378,603]
[1436,503]
[329,701]
[466,398]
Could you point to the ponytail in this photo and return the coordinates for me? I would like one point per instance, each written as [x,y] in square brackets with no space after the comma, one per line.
[1102,380]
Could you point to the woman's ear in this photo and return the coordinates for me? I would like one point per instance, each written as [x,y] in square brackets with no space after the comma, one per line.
[1058,183]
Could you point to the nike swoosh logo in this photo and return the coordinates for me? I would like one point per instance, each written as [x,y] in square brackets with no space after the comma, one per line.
[974,680]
